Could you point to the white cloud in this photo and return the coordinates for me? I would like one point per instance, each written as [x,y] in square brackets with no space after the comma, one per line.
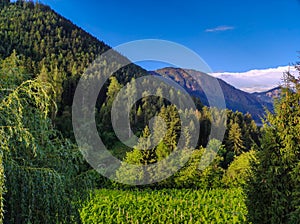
[219,28]
[255,80]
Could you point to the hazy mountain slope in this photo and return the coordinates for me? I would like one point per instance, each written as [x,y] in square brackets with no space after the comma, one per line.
[235,99]
[268,96]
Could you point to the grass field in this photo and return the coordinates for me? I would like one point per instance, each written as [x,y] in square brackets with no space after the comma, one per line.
[165,206]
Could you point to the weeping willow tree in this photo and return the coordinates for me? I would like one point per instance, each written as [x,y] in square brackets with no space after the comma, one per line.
[26,147]
[44,175]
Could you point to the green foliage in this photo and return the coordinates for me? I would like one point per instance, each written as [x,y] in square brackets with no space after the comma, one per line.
[189,176]
[235,139]
[170,116]
[145,153]
[242,135]
[53,46]
[202,169]
[2,189]
[12,73]
[273,191]
[166,132]
[112,91]
[18,116]
[4,3]
[165,206]
[239,170]
[44,37]
[35,195]
[142,154]
[39,165]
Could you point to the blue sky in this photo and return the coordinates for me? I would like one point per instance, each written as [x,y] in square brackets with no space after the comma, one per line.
[229,35]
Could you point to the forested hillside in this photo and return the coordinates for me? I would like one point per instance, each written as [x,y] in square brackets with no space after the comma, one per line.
[52,47]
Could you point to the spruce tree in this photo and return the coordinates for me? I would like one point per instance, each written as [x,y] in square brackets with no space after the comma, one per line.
[274,189]
[235,139]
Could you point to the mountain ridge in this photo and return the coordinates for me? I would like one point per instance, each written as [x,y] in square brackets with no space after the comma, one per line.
[269,95]
[236,99]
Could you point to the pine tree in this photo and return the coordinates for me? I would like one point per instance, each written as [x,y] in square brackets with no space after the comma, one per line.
[44,74]
[145,145]
[139,115]
[235,141]
[105,111]
[113,88]
[142,154]
[172,120]
[12,71]
[131,92]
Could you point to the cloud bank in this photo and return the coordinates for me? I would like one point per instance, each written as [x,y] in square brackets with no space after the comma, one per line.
[255,80]
[219,29]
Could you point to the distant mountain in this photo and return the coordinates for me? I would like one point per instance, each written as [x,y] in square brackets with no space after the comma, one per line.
[236,100]
[268,96]
[256,80]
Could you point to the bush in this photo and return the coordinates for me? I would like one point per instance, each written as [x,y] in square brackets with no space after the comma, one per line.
[239,170]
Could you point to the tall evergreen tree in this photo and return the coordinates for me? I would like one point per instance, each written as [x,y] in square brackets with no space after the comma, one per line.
[105,111]
[131,92]
[274,190]
[12,71]
[235,139]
